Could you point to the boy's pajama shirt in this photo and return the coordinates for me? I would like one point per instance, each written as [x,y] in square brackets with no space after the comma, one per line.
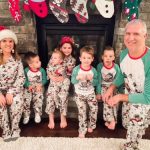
[11,82]
[57,91]
[32,79]
[105,78]
[135,114]
[85,96]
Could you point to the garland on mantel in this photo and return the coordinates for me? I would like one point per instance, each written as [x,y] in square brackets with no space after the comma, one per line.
[79,7]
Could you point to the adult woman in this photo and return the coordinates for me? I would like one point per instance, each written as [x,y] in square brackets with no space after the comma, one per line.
[11,85]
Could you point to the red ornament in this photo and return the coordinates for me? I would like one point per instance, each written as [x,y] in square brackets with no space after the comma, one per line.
[133,16]
[15,10]
[126,11]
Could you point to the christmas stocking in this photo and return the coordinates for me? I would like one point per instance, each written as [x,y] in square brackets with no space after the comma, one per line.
[39,7]
[130,8]
[58,8]
[15,10]
[26,6]
[105,7]
[80,9]
[2,28]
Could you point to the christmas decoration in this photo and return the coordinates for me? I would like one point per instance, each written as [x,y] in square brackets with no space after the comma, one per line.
[2,28]
[58,8]
[105,7]
[26,6]
[91,4]
[39,7]
[80,9]
[15,10]
[130,8]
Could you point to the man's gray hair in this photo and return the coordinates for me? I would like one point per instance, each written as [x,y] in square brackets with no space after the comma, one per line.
[137,21]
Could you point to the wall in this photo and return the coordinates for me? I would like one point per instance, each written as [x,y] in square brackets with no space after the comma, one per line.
[25,30]
[144,14]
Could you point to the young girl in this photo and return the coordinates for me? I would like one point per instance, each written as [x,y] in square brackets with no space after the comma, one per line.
[107,72]
[11,86]
[58,89]
[84,78]
[66,46]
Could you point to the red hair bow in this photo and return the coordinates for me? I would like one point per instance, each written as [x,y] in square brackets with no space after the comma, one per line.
[66,39]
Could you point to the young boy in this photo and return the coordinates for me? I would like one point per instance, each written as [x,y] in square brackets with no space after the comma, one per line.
[84,78]
[35,81]
[58,89]
[107,72]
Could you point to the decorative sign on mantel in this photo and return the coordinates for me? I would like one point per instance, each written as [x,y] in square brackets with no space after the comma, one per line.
[79,7]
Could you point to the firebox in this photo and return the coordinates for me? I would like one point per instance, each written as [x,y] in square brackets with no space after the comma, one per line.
[97,32]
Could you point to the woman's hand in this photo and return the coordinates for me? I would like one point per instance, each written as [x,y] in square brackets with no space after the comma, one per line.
[2,100]
[9,99]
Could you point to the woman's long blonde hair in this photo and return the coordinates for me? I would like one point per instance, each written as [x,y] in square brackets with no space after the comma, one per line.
[14,55]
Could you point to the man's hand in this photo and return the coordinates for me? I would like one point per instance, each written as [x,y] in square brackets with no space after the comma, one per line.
[117,98]
[9,99]
[2,100]
[113,100]
[109,93]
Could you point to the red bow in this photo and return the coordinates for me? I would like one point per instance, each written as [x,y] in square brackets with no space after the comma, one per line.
[66,39]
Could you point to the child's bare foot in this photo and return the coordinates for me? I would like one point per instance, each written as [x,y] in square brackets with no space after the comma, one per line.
[112,125]
[106,124]
[51,125]
[63,122]
[90,130]
[81,135]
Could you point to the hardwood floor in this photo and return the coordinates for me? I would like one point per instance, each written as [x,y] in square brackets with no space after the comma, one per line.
[41,129]
[37,130]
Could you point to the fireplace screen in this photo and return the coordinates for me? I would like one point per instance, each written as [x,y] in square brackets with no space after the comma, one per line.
[96,41]
[98,33]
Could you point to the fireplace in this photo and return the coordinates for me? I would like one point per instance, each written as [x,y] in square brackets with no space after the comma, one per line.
[98,32]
